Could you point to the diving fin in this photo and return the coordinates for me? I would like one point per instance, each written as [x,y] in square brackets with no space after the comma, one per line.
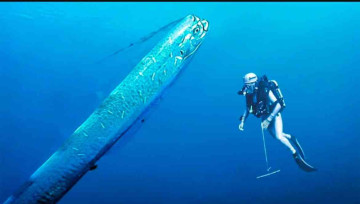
[297,144]
[302,164]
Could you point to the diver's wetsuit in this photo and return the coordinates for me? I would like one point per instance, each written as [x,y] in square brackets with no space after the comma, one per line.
[276,126]
[263,103]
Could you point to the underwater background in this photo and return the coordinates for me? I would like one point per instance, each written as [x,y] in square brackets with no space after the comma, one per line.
[189,150]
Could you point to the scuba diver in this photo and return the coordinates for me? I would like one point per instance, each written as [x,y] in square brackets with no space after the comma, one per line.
[265,101]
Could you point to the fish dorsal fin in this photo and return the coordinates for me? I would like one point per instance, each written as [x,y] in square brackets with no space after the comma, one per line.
[141,40]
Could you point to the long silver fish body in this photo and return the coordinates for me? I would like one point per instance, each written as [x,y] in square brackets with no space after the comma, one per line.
[115,116]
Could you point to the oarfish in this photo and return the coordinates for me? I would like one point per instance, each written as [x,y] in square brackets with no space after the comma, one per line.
[115,116]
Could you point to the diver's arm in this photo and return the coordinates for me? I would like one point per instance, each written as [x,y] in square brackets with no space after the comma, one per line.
[277,107]
[245,115]
[242,119]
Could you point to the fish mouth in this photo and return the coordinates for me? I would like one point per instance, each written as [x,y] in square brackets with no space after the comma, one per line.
[205,24]
[201,23]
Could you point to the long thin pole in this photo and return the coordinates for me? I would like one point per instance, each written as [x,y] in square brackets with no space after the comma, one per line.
[274,172]
[266,157]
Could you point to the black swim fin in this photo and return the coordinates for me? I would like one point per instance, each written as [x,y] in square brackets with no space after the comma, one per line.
[297,144]
[302,164]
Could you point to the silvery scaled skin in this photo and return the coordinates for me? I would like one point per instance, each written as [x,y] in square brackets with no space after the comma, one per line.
[125,105]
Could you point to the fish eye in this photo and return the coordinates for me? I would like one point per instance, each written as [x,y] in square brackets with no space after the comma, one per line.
[181,52]
[196,30]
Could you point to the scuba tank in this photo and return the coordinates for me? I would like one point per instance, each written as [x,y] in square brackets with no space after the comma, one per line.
[272,85]
[260,106]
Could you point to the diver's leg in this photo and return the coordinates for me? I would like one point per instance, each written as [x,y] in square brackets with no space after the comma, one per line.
[287,135]
[272,132]
[296,143]
[276,129]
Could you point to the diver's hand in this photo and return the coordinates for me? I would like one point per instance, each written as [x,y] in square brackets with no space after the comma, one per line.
[241,126]
[265,124]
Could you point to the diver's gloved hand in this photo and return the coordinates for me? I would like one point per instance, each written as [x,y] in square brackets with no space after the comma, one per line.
[265,124]
[241,126]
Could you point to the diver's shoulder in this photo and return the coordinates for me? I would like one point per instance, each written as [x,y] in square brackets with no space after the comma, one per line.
[273,83]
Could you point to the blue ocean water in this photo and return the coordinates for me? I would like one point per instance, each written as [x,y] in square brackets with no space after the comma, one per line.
[189,150]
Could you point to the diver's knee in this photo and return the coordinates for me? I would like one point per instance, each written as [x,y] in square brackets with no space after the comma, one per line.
[279,136]
[282,137]
[287,135]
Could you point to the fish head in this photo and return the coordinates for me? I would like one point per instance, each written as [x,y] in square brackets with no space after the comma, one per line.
[193,36]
